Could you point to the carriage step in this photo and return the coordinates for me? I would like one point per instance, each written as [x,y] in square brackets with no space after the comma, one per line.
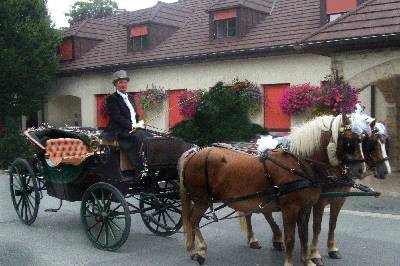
[54,210]
[51,210]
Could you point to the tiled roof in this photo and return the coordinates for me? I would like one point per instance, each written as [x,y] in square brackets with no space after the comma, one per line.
[372,18]
[172,15]
[260,5]
[289,23]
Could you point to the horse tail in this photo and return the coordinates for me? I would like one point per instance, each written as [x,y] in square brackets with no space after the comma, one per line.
[242,222]
[185,202]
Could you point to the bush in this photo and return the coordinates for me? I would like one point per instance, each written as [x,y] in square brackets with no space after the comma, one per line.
[220,116]
[13,145]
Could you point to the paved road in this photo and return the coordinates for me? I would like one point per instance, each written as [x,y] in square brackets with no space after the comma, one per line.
[368,234]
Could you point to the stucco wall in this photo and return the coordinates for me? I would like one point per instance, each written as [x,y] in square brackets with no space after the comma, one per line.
[292,69]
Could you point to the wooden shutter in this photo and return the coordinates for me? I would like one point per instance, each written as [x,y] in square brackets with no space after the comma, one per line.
[66,50]
[139,31]
[139,109]
[340,6]
[225,14]
[174,116]
[102,115]
[274,119]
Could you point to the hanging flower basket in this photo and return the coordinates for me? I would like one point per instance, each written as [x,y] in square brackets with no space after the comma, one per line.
[152,99]
[188,101]
[297,98]
[335,98]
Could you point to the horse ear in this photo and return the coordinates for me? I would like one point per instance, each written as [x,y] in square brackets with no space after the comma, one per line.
[372,124]
[345,119]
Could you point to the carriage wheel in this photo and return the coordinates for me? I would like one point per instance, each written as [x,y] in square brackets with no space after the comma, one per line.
[24,191]
[161,212]
[105,216]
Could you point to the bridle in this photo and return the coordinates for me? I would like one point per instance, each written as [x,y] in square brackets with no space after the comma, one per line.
[370,145]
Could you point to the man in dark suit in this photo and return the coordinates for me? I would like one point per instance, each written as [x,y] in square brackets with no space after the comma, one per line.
[125,124]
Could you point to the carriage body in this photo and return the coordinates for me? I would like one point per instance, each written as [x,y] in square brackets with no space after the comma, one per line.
[74,165]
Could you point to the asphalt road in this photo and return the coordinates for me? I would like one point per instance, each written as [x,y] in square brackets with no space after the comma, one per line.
[368,233]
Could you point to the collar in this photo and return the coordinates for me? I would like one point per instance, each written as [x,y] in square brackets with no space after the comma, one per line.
[123,95]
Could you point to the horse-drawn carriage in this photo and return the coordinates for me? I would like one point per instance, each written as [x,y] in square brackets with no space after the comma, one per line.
[76,165]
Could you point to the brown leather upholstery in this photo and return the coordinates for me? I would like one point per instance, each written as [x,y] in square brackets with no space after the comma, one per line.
[65,150]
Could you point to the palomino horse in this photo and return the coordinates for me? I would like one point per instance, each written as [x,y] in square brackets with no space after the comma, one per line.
[319,139]
[377,160]
[220,174]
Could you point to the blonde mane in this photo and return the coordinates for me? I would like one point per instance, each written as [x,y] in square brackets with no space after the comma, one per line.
[306,139]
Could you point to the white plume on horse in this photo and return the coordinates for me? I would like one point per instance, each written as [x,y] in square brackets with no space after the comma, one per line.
[266,143]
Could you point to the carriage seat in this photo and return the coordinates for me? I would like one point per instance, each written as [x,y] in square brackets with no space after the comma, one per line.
[66,150]
[124,163]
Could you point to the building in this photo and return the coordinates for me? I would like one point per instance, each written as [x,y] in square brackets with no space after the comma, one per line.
[193,44]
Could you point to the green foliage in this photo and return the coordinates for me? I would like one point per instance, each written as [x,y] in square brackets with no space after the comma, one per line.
[91,9]
[13,145]
[28,46]
[220,116]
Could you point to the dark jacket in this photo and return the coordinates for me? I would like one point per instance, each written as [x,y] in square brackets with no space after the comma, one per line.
[120,116]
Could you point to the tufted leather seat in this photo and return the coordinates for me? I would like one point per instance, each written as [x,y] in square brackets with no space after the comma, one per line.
[66,150]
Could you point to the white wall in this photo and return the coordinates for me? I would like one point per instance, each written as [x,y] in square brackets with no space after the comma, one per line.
[292,69]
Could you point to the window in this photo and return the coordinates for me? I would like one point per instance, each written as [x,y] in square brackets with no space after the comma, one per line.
[225,22]
[225,28]
[139,42]
[139,37]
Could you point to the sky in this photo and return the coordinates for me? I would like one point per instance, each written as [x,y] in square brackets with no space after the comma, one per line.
[57,8]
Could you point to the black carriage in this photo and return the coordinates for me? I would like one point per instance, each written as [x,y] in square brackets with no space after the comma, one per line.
[75,165]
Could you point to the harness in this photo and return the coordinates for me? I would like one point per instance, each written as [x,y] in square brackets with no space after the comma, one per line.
[265,197]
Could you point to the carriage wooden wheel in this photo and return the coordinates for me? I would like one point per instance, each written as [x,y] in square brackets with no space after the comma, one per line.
[24,191]
[161,211]
[105,216]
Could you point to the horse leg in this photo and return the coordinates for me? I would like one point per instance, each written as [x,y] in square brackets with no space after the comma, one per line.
[277,240]
[251,238]
[336,206]
[302,227]
[196,215]
[318,213]
[289,217]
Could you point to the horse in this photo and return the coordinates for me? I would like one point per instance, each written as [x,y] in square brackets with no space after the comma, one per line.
[304,142]
[377,160]
[219,174]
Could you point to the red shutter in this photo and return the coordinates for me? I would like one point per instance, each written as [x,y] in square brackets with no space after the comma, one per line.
[274,118]
[66,50]
[174,116]
[102,116]
[135,96]
[139,31]
[340,6]
[225,14]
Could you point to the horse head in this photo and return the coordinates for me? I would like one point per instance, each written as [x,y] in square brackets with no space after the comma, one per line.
[375,150]
[349,152]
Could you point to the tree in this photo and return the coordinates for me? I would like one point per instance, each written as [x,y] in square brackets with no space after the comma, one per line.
[91,9]
[222,114]
[28,57]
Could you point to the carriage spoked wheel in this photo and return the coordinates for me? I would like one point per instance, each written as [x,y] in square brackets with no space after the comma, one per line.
[161,211]
[24,191]
[105,216]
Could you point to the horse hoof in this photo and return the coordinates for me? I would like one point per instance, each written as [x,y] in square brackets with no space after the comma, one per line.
[255,245]
[317,261]
[278,246]
[334,255]
[200,259]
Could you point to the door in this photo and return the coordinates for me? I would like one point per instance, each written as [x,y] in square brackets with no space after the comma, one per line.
[173,106]
[275,121]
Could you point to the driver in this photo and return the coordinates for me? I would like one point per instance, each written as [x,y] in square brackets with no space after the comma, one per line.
[124,121]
